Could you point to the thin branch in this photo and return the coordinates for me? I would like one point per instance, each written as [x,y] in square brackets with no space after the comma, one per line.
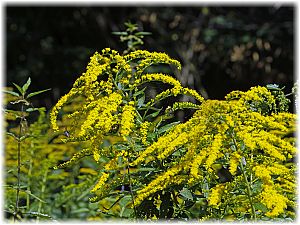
[130,186]
[249,192]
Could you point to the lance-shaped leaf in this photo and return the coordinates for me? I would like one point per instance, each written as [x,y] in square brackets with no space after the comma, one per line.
[37,92]
[39,214]
[19,88]
[167,127]
[120,33]
[34,196]
[11,93]
[26,85]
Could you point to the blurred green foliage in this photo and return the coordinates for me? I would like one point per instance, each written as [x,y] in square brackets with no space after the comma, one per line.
[221,48]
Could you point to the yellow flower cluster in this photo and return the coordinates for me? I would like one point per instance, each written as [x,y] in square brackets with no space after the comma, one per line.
[273,200]
[160,77]
[148,59]
[164,146]
[184,105]
[214,151]
[144,132]
[215,195]
[158,184]
[127,122]
[198,160]
[176,90]
[74,158]
[101,116]
[234,162]
[101,182]
[86,84]
[256,95]
[193,93]
[263,173]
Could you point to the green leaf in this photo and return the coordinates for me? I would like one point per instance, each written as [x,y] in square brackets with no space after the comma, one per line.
[152,115]
[140,101]
[126,212]
[139,92]
[11,93]
[144,169]
[24,137]
[26,85]
[257,187]
[13,135]
[186,194]
[40,214]
[34,196]
[260,206]
[33,109]
[120,33]
[19,88]
[139,42]
[142,33]
[167,127]
[125,200]
[274,87]
[139,117]
[82,210]
[15,187]
[37,92]
[85,193]
[20,101]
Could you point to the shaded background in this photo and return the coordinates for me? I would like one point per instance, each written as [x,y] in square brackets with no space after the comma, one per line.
[221,48]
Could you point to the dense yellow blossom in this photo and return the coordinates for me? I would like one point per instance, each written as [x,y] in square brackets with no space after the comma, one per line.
[127,122]
[144,131]
[101,182]
[101,117]
[194,170]
[161,77]
[263,173]
[214,151]
[184,105]
[234,162]
[158,184]
[274,201]
[215,195]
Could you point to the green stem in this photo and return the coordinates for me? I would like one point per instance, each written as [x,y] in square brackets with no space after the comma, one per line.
[130,186]
[29,180]
[42,192]
[19,165]
[249,192]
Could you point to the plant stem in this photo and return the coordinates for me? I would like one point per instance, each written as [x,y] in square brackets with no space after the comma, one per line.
[249,192]
[19,164]
[130,186]
[42,192]
[29,180]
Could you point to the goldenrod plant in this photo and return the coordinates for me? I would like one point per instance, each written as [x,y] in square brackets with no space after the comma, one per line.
[15,152]
[232,160]
[32,189]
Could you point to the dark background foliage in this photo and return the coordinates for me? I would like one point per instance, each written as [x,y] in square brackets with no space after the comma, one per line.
[221,48]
